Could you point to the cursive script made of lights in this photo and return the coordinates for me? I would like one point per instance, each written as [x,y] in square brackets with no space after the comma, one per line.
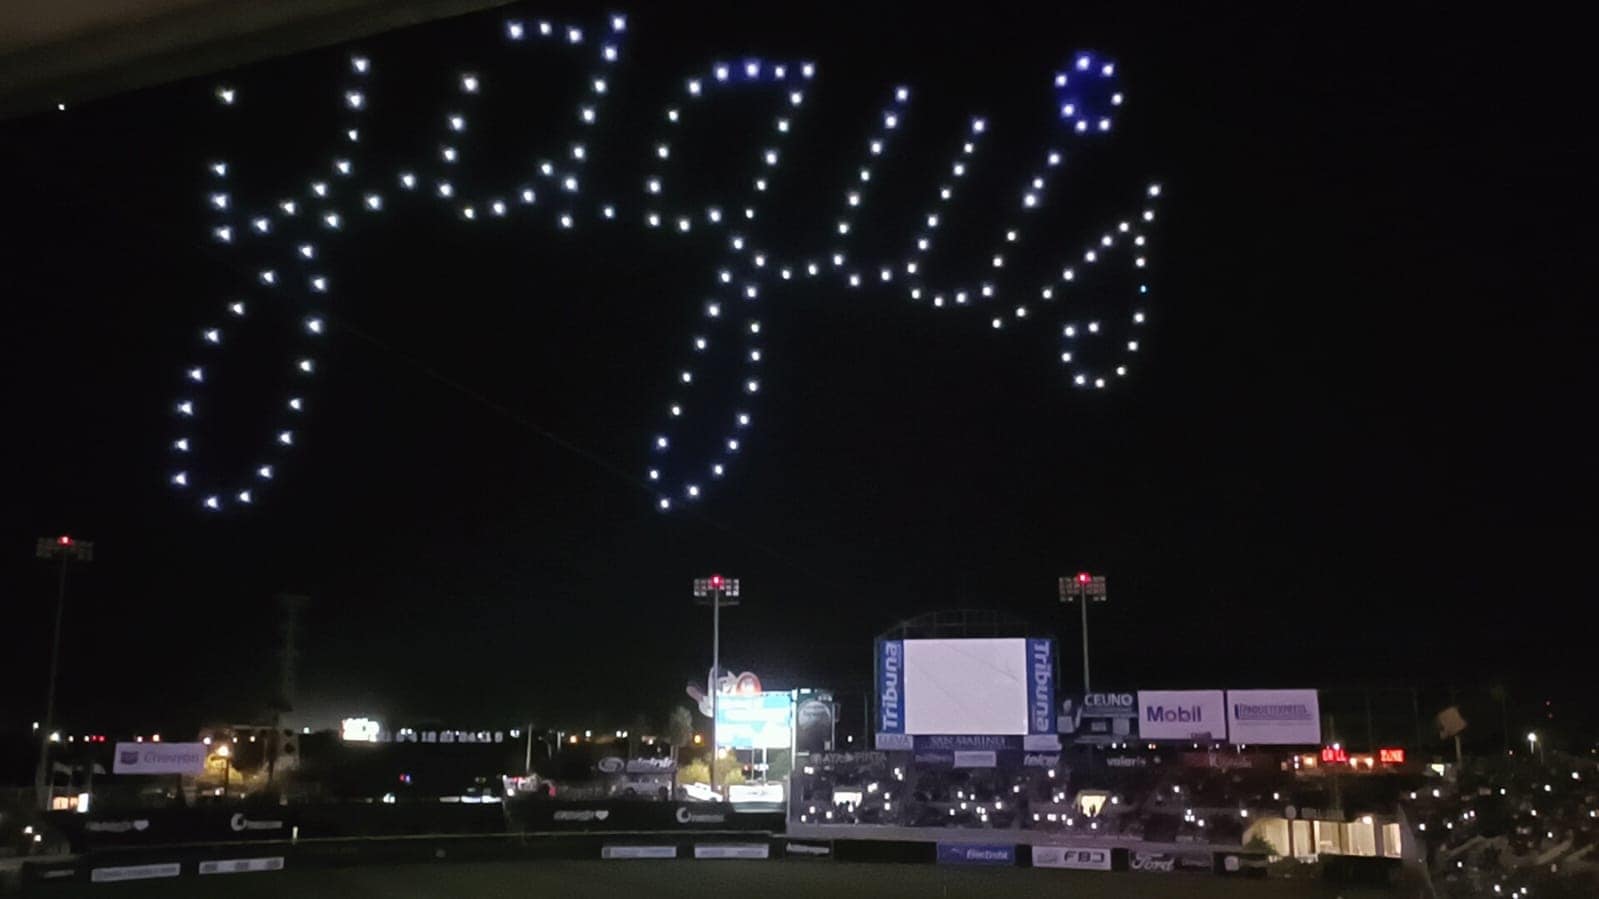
[554,190]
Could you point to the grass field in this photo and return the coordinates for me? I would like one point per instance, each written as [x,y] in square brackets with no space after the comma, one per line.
[699,879]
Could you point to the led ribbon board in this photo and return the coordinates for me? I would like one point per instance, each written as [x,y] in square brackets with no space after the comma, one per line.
[554,191]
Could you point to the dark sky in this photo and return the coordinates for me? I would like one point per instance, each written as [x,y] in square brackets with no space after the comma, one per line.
[1353,447]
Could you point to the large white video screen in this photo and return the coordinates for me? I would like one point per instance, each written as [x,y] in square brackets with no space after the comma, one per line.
[966,686]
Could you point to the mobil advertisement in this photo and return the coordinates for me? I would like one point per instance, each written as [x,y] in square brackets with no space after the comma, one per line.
[976,854]
[1182,715]
[1274,717]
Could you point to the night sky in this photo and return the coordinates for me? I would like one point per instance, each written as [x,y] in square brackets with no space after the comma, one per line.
[1352,449]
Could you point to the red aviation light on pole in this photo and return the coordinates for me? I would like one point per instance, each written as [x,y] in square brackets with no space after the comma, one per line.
[1084,577]
[63,540]
[716,582]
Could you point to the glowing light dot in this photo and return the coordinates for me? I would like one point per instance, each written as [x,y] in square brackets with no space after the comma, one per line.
[269,277]
[665,504]
[244,496]
[469,83]
[236,308]
[661,443]
[1138,318]
[314,325]
[226,95]
[181,479]
[676,410]
[717,469]
[286,438]
[687,377]
[408,180]
[354,99]
[186,408]
[655,474]
[752,385]
[196,374]
[374,202]
[514,30]
[296,404]
[693,490]
[264,472]
[224,234]
[212,502]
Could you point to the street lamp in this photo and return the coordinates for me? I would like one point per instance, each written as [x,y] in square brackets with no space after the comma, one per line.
[1083,588]
[66,550]
[1532,743]
[715,591]
[226,755]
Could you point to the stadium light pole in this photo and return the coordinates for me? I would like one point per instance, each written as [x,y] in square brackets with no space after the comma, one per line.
[715,591]
[1082,588]
[66,550]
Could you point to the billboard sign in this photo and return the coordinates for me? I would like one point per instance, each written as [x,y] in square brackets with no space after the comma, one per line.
[891,686]
[1096,859]
[965,687]
[1182,715]
[1041,686]
[1109,705]
[160,758]
[757,721]
[1274,717]
[976,854]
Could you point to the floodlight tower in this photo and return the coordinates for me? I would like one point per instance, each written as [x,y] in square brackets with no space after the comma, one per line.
[66,550]
[1083,588]
[715,591]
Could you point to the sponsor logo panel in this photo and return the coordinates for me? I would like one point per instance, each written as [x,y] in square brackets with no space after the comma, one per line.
[1088,859]
[976,854]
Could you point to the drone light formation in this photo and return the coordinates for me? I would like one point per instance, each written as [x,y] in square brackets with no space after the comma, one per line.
[1087,96]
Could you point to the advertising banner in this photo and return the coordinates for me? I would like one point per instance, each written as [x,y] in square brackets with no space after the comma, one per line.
[160,758]
[613,815]
[1096,859]
[891,687]
[976,854]
[1100,717]
[1167,862]
[1182,715]
[970,758]
[1040,686]
[758,721]
[623,852]
[242,865]
[1274,717]
[964,742]
[1110,705]
[732,850]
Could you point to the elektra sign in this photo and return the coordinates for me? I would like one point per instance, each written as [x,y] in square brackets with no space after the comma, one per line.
[1041,684]
[1182,715]
[976,854]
